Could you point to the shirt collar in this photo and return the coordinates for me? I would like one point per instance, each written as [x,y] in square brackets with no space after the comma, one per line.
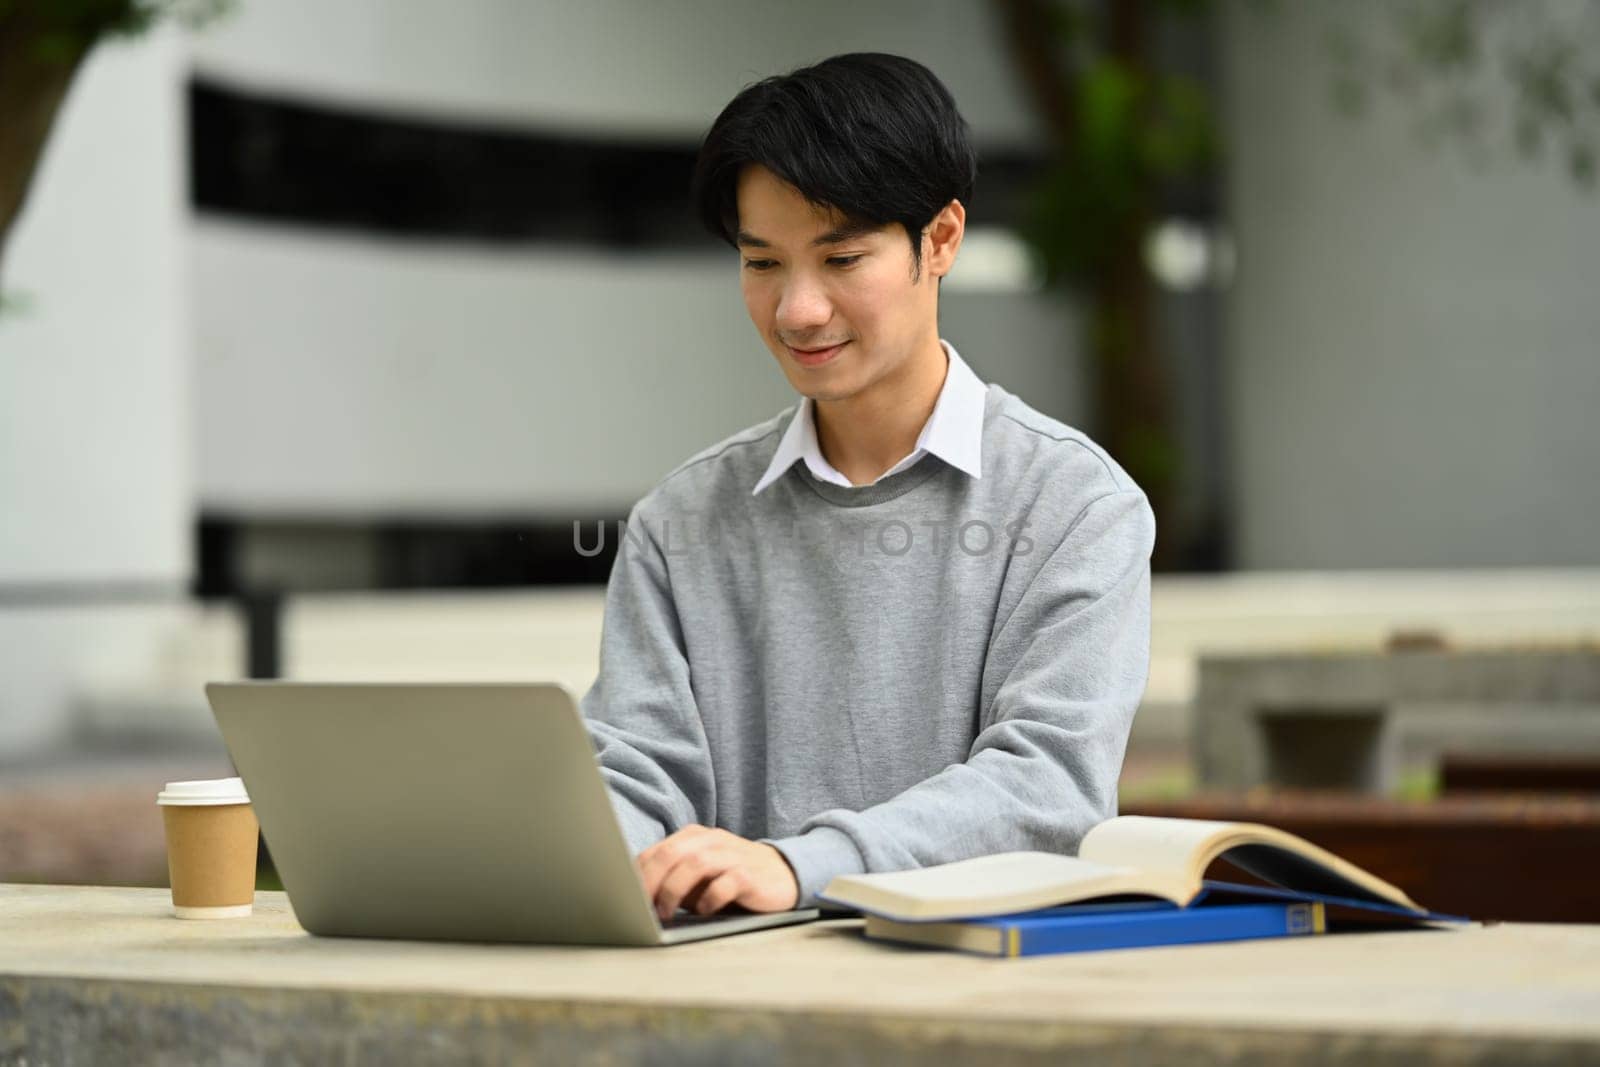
[953,432]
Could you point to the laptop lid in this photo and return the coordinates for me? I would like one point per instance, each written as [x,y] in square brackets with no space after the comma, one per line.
[472,812]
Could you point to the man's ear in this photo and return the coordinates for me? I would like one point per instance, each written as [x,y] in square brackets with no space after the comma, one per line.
[943,239]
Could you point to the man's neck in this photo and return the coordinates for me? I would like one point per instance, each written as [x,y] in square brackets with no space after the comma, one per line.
[864,435]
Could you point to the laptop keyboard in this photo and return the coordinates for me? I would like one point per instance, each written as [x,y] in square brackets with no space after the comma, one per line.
[685,918]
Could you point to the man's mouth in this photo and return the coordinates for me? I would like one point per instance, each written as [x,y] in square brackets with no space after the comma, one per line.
[813,356]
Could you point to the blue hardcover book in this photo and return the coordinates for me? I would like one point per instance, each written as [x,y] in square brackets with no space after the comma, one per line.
[1097,927]
[1340,912]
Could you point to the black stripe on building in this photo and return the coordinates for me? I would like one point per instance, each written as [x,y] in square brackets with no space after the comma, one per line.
[271,158]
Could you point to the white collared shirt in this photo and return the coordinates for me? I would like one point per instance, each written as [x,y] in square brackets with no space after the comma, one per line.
[953,432]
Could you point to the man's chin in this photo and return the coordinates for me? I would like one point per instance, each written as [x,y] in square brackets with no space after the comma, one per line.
[842,389]
[835,380]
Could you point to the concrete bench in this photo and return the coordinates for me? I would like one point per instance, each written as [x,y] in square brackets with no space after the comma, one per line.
[1351,720]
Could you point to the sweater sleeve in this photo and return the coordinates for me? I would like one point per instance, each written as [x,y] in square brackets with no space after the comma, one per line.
[641,711]
[1067,668]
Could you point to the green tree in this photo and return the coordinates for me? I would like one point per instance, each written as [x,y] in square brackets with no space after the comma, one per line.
[42,45]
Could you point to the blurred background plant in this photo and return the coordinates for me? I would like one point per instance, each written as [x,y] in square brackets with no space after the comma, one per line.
[42,45]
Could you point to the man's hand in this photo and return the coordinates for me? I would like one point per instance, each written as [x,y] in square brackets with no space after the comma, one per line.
[705,870]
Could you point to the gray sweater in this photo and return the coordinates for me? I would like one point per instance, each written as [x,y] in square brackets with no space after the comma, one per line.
[876,678]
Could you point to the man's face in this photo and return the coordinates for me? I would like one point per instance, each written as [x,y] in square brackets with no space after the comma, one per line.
[838,305]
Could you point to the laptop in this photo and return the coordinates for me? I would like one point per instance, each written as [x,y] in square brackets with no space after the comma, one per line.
[454,812]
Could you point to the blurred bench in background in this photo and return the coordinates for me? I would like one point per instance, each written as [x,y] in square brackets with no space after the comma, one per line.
[1352,719]
[149,682]
[1461,772]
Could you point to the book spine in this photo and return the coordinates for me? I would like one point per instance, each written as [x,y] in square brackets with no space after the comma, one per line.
[1181,927]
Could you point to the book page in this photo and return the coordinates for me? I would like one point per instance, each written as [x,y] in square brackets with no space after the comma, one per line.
[1007,872]
[994,885]
[1171,845]
[1186,847]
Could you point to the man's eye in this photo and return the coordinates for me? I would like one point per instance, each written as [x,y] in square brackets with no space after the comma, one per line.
[842,261]
[758,264]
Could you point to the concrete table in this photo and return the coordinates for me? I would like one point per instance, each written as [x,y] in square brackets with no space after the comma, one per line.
[97,975]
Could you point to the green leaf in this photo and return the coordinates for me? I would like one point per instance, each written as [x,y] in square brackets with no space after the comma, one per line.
[56,46]
[1351,98]
[1529,136]
[15,303]
[1581,163]
[1180,133]
[1108,94]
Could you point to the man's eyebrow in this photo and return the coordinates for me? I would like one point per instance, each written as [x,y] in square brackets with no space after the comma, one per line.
[750,239]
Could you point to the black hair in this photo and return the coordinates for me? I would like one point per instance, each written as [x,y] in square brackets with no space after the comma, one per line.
[876,137]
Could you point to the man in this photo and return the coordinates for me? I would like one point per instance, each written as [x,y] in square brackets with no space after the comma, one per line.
[902,623]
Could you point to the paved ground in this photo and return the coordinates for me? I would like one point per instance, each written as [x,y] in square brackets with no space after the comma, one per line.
[91,820]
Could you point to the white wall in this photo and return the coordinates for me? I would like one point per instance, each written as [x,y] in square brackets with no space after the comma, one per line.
[95,482]
[341,374]
[1414,350]
[94,390]
[666,66]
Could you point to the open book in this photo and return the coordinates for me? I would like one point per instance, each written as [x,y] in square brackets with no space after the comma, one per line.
[1129,855]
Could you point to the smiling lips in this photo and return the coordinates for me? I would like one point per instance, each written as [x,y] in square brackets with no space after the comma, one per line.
[815,357]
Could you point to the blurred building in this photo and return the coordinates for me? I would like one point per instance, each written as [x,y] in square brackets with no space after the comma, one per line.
[364,296]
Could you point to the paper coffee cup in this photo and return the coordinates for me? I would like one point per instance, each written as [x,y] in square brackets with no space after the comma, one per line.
[211,847]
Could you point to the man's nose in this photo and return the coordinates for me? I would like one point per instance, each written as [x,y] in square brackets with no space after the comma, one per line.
[803,306]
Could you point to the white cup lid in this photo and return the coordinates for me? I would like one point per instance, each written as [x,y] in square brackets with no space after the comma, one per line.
[210,791]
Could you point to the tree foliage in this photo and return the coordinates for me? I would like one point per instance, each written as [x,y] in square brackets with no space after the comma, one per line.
[1484,76]
[42,44]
